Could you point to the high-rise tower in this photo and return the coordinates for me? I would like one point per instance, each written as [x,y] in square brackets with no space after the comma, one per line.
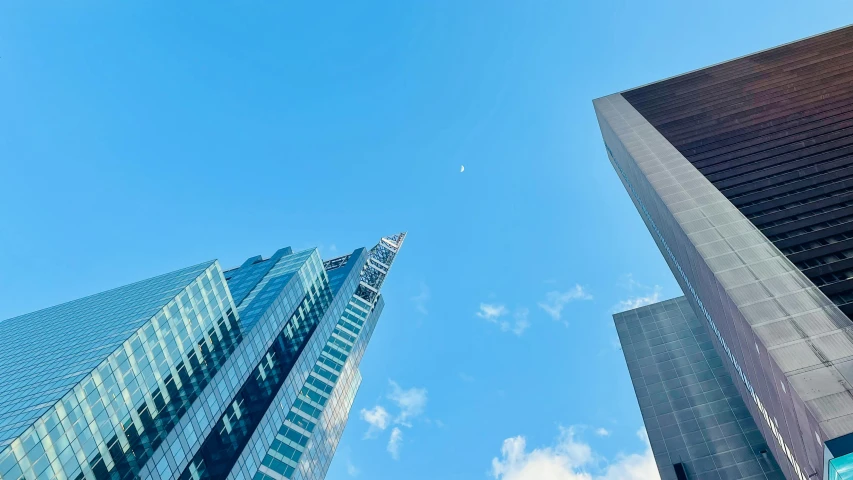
[743,173]
[196,374]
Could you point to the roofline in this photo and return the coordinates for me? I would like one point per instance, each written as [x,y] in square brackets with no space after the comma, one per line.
[732,59]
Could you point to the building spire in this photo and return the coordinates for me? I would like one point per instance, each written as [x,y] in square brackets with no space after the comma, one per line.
[379,260]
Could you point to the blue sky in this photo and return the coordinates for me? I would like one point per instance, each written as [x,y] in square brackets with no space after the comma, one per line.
[141,137]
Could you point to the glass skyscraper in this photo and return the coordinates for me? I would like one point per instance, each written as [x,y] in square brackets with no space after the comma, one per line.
[201,373]
[743,174]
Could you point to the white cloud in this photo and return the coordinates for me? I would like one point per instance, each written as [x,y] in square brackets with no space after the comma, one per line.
[434,421]
[570,459]
[411,402]
[628,283]
[352,471]
[602,432]
[638,301]
[521,323]
[636,466]
[377,417]
[555,302]
[394,443]
[420,300]
[491,312]
[641,294]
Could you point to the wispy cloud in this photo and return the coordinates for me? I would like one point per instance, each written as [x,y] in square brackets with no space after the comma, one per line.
[570,459]
[491,311]
[602,432]
[639,294]
[494,313]
[521,322]
[556,301]
[420,300]
[352,470]
[394,443]
[631,303]
[411,402]
[377,417]
[465,377]
[628,282]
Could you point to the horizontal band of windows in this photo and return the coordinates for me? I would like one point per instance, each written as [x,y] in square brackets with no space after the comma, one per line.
[817,196]
[826,120]
[825,260]
[816,244]
[811,232]
[806,215]
[790,160]
[811,183]
[784,179]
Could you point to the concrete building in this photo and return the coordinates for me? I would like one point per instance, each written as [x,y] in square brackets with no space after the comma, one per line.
[743,173]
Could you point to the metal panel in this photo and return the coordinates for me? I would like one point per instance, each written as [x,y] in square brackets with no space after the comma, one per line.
[694,415]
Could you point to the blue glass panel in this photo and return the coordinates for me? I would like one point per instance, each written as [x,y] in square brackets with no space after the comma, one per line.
[841,468]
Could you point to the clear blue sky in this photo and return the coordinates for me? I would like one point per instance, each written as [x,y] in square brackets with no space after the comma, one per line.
[140,137]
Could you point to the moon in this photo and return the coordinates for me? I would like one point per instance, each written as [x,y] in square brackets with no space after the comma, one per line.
[462,169]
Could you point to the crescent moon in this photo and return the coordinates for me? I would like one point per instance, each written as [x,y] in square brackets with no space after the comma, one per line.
[462,169]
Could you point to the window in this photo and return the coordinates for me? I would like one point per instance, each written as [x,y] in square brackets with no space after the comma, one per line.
[680,472]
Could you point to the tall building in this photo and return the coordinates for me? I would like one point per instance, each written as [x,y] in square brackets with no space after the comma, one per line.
[742,172]
[201,373]
[697,423]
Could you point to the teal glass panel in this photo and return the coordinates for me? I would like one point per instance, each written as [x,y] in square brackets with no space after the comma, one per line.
[841,468]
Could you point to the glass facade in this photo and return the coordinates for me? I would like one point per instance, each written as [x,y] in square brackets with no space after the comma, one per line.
[194,374]
[115,415]
[314,424]
[694,416]
[841,468]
